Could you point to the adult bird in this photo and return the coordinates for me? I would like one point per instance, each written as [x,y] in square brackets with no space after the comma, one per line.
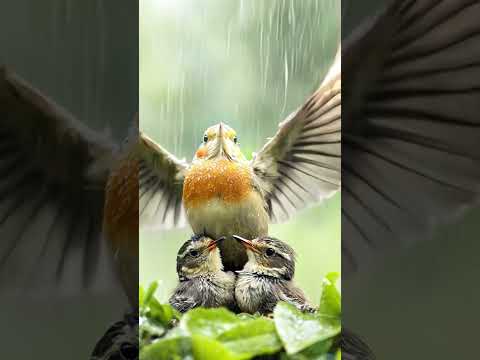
[68,199]
[221,193]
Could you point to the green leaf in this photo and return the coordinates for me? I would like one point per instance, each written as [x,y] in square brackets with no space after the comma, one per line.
[141,296]
[179,348]
[149,331]
[208,322]
[149,294]
[246,316]
[330,301]
[299,331]
[206,348]
[252,338]
[163,314]
[319,350]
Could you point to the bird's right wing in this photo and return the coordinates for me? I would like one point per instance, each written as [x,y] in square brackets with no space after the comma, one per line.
[411,124]
[161,186]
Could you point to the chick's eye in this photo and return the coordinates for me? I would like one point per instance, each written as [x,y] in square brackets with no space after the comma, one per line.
[205,138]
[235,139]
[194,253]
[270,252]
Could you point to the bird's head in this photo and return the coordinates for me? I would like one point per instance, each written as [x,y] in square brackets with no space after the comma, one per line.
[199,256]
[269,256]
[219,142]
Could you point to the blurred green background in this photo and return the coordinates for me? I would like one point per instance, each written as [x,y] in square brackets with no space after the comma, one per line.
[249,64]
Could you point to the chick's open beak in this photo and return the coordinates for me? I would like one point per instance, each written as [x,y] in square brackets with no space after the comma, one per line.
[213,244]
[246,243]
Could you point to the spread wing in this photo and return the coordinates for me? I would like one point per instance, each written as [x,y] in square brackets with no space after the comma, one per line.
[161,186]
[300,165]
[411,129]
[53,172]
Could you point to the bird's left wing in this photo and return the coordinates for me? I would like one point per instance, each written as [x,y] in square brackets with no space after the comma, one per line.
[161,185]
[53,171]
[301,164]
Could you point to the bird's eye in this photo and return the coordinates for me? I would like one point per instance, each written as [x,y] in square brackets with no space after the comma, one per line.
[270,252]
[194,253]
[235,139]
[205,138]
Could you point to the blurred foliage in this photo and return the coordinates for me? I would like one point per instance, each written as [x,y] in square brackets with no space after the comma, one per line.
[247,63]
[220,334]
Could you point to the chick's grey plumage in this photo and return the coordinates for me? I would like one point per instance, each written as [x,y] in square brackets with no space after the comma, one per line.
[267,277]
[202,279]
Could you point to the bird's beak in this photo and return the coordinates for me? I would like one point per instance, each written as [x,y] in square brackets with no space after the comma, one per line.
[246,243]
[213,244]
[220,130]
[222,146]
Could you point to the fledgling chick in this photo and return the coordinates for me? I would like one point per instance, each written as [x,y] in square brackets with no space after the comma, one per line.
[267,277]
[202,279]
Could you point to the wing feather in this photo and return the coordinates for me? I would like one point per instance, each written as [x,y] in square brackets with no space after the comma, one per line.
[300,165]
[161,186]
[411,130]
[53,171]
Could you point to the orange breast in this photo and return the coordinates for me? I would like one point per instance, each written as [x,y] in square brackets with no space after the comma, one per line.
[222,179]
[120,222]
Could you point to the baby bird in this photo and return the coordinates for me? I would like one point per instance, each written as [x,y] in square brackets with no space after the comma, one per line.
[267,277]
[202,279]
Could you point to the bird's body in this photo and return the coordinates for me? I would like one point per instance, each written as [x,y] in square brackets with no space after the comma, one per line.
[256,292]
[202,279]
[220,199]
[208,290]
[267,277]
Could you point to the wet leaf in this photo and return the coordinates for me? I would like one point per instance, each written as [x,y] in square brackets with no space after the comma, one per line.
[252,338]
[208,322]
[298,331]
[330,301]
[246,316]
[205,348]
[179,348]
